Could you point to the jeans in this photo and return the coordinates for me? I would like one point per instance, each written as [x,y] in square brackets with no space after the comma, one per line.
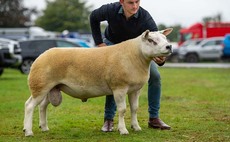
[154,93]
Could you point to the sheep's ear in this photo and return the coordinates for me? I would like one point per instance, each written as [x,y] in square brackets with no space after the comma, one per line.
[145,34]
[166,31]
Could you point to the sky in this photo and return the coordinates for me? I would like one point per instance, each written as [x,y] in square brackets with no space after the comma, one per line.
[167,12]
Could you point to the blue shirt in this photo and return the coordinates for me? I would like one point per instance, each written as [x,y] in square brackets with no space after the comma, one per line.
[119,28]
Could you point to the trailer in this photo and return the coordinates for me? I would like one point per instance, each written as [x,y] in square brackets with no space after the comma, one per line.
[199,30]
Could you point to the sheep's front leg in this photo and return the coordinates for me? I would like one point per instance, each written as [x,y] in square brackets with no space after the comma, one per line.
[134,103]
[119,96]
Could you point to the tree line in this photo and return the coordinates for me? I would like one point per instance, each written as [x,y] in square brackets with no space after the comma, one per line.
[60,15]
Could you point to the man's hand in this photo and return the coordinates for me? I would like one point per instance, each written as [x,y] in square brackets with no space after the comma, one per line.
[101,45]
[159,60]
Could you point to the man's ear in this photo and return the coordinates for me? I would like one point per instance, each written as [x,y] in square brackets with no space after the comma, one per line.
[145,34]
[166,31]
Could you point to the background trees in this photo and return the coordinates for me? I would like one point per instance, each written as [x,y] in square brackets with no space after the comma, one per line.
[174,35]
[14,14]
[62,15]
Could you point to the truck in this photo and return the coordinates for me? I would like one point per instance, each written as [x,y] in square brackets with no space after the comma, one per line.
[199,30]
[10,54]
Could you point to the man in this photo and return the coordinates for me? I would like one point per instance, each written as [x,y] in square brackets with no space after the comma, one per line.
[126,20]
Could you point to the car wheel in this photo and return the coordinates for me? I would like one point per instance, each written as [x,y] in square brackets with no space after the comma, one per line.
[25,66]
[1,71]
[192,58]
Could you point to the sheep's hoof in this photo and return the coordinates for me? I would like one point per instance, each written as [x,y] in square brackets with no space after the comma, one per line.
[44,129]
[123,131]
[28,134]
[136,127]
[84,100]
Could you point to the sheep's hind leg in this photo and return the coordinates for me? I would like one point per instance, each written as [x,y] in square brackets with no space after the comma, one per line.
[30,104]
[43,114]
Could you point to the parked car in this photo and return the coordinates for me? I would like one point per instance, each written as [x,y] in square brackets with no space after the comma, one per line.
[203,49]
[5,59]
[14,49]
[226,50]
[80,42]
[10,54]
[31,49]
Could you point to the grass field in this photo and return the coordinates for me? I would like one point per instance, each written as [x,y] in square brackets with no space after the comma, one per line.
[195,102]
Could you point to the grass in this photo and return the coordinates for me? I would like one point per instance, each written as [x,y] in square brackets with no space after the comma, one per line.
[195,102]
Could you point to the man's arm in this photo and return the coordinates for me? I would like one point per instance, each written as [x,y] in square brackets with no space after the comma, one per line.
[95,28]
[149,23]
[96,17]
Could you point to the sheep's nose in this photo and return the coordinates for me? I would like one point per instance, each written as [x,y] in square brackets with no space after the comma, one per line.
[169,47]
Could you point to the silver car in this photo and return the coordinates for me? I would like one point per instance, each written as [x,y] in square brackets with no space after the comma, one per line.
[202,49]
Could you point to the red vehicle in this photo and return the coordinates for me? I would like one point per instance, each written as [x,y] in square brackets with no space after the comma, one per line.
[199,30]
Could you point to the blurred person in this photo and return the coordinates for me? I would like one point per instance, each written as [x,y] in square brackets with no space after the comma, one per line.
[127,20]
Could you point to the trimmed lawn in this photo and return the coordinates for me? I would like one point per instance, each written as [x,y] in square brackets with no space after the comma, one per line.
[195,103]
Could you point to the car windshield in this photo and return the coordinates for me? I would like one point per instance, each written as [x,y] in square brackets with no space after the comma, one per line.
[213,43]
[191,43]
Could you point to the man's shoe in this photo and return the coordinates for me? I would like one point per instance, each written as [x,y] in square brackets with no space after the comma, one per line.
[108,126]
[157,123]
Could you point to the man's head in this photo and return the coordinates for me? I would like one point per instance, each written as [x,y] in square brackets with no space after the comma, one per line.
[130,7]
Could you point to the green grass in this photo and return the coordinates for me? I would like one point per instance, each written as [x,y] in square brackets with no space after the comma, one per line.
[195,102]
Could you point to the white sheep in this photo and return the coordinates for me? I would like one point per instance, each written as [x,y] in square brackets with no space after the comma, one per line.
[86,73]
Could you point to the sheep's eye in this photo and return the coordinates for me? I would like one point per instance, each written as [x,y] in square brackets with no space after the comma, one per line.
[152,41]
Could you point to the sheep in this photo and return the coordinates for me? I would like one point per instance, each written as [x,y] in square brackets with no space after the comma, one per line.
[82,73]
